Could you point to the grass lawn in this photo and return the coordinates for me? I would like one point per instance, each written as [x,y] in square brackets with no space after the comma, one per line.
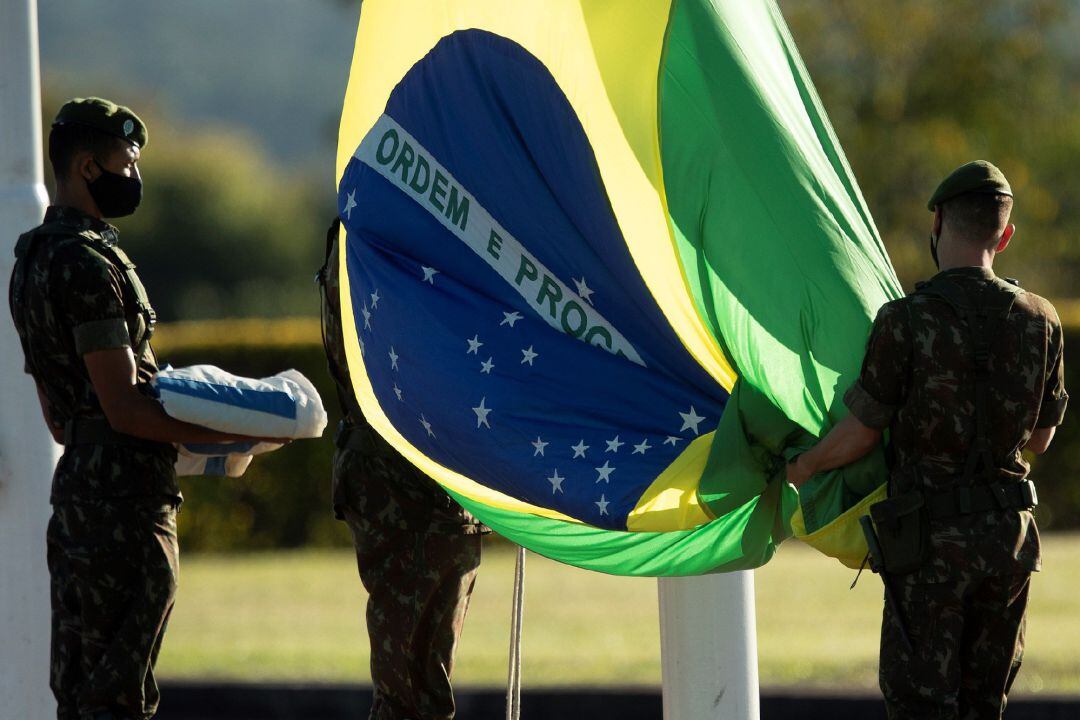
[298,616]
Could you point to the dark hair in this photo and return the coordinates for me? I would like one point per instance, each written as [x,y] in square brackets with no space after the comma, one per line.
[978,217]
[66,141]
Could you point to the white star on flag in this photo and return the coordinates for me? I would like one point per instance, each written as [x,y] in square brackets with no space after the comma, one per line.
[350,203]
[539,445]
[583,290]
[397,391]
[556,481]
[642,447]
[485,367]
[602,504]
[429,274]
[363,350]
[375,299]
[604,472]
[614,445]
[671,440]
[482,413]
[427,426]
[474,345]
[691,420]
[393,358]
[580,448]
[367,317]
[528,356]
[509,318]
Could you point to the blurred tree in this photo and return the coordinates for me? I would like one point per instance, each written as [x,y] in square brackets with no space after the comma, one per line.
[914,88]
[222,231]
[917,87]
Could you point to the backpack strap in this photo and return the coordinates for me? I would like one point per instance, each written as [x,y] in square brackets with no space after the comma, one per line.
[137,295]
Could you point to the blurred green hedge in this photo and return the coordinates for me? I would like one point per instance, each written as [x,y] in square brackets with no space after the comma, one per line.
[283,501]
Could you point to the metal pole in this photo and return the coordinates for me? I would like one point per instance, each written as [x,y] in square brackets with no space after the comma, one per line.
[708,647]
[27,452]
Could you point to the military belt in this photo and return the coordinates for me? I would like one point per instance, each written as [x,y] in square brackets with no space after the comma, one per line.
[97,431]
[968,500]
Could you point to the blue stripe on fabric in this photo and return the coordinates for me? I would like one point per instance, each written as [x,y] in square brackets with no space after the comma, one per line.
[273,402]
[215,466]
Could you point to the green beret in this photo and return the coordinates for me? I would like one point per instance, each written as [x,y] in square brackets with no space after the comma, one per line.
[978,176]
[103,115]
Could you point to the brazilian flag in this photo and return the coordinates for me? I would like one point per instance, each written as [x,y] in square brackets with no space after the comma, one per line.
[607,268]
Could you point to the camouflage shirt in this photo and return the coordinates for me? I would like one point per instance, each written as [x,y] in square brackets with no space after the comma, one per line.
[918,380]
[68,299]
[390,490]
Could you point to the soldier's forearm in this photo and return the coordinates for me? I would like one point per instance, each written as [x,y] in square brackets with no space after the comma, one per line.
[143,417]
[113,374]
[1040,440]
[849,441]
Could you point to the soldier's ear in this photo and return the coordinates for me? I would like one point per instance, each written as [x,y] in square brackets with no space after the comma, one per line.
[85,167]
[1006,236]
[937,220]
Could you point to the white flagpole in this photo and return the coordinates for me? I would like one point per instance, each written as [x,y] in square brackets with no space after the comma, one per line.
[27,452]
[708,646]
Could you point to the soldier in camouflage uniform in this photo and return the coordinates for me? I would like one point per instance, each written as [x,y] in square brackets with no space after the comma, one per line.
[84,323]
[417,550]
[965,373]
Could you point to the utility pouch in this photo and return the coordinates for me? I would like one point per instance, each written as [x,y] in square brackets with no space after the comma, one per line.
[903,530]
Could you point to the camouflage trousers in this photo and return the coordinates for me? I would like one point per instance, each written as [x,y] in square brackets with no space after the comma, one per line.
[113,569]
[968,639]
[419,585]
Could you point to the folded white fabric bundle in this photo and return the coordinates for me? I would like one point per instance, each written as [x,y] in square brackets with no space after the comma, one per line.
[285,405]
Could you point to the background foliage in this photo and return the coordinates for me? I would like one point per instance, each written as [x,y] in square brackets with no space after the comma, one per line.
[918,87]
[242,100]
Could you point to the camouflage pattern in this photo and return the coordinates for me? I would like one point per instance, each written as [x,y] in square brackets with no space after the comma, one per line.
[965,606]
[112,538]
[417,550]
[968,640]
[114,569]
[75,301]
[419,585]
[390,493]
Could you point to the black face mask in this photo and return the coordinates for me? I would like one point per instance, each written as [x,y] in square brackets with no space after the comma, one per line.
[934,239]
[116,195]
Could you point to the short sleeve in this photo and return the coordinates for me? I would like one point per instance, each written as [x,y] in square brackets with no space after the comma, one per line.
[90,298]
[1055,399]
[882,385]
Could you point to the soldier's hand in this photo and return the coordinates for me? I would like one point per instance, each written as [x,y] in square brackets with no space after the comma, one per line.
[797,473]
